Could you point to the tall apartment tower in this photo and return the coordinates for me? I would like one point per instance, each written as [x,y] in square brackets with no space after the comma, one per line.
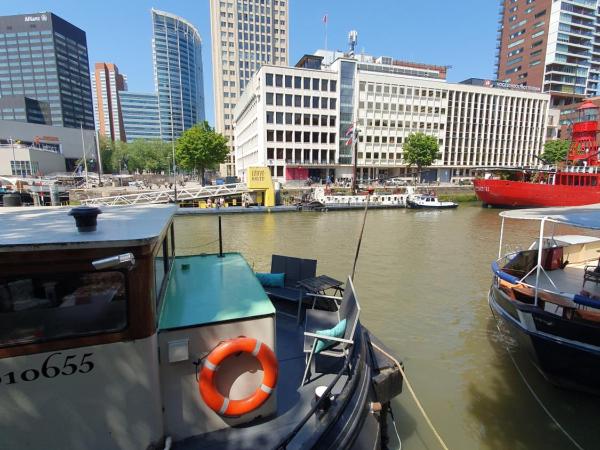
[551,44]
[106,84]
[245,35]
[45,58]
[177,58]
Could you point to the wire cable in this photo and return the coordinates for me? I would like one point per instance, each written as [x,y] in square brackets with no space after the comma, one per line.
[412,392]
[535,396]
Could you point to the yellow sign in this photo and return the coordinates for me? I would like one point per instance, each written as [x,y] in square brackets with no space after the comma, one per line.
[259,179]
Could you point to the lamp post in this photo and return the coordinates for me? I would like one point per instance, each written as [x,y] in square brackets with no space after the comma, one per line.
[12,146]
[354,159]
[84,155]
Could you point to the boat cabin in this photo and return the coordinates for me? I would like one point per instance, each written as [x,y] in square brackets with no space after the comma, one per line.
[101,330]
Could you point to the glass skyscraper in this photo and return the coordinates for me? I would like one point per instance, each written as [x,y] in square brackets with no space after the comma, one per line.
[177,58]
[140,115]
[44,57]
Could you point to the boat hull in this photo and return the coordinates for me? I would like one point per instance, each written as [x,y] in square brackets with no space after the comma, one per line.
[549,341]
[507,193]
[412,205]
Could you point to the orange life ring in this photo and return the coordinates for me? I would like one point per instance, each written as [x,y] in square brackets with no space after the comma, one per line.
[233,408]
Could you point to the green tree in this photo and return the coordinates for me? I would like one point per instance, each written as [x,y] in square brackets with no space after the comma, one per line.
[555,151]
[107,149]
[200,148]
[150,155]
[421,150]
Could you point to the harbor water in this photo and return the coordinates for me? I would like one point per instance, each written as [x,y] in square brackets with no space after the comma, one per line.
[422,280]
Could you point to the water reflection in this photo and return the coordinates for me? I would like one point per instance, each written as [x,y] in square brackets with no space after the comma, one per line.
[422,280]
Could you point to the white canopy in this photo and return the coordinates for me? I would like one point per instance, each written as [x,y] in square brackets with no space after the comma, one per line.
[587,216]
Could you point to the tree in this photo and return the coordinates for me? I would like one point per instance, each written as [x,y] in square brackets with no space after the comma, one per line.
[555,151]
[150,155]
[200,148]
[421,150]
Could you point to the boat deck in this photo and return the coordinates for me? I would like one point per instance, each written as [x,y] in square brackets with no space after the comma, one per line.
[293,402]
[568,280]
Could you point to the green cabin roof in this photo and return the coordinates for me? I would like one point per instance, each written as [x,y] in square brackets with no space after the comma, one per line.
[212,290]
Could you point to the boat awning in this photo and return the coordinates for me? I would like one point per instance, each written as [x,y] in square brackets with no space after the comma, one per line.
[577,216]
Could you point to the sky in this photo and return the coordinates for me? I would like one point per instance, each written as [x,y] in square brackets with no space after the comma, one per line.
[460,33]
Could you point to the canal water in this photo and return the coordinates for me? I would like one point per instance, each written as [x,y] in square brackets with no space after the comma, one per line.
[422,280]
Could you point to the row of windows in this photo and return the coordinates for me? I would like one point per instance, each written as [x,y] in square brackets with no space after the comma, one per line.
[401,90]
[300,119]
[300,136]
[317,84]
[301,101]
[383,123]
[378,106]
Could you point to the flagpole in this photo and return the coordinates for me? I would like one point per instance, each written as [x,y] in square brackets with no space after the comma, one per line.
[326,18]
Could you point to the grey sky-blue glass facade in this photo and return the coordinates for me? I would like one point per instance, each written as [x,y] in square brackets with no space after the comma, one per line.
[45,58]
[177,58]
[140,115]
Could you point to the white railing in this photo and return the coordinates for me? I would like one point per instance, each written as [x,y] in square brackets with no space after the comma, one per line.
[168,195]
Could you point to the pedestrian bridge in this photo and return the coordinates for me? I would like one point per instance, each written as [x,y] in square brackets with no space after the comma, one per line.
[168,195]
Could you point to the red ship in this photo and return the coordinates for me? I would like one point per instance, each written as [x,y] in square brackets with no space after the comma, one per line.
[572,183]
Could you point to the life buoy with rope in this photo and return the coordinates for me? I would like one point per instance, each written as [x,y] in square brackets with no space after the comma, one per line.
[234,408]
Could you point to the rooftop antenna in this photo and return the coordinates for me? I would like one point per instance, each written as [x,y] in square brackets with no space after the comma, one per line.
[352,41]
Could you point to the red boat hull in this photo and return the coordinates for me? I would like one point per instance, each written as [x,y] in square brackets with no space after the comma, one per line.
[519,194]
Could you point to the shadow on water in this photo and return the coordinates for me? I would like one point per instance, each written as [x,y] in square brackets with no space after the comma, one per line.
[510,415]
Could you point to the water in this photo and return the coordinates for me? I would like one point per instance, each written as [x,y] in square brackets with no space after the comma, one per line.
[422,280]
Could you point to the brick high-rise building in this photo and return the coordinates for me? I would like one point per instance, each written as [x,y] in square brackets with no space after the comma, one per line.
[245,35]
[553,45]
[106,84]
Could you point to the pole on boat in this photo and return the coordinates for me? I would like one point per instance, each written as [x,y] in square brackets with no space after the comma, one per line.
[99,159]
[501,237]
[362,230]
[220,239]
[539,260]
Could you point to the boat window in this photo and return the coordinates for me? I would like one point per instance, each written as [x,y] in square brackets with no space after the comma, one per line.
[61,305]
[163,259]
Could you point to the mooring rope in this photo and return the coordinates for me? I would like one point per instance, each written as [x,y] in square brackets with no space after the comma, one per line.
[412,392]
[530,388]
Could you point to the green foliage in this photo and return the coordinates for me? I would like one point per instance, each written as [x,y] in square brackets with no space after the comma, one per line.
[149,155]
[555,151]
[200,148]
[420,150]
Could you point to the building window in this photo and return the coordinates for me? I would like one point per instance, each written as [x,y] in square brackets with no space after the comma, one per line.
[315,84]
[288,81]
[279,99]
[279,80]
[269,116]
[306,83]
[298,82]
[269,79]
[269,98]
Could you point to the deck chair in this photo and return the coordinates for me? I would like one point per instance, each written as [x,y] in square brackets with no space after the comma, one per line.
[317,319]
[591,273]
[295,269]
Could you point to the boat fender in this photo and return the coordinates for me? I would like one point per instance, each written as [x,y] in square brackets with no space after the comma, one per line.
[207,382]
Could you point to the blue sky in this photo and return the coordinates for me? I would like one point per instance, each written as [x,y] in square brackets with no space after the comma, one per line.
[458,33]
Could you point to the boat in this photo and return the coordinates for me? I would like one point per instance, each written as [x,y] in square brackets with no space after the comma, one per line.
[572,183]
[427,201]
[111,340]
[549,295]
[376,199]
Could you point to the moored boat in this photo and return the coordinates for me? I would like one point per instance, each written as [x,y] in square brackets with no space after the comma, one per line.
[110,337]
[572,183]
[549,295]
[427,201]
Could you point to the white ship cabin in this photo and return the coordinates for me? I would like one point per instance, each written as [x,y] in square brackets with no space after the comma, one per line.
[102,333]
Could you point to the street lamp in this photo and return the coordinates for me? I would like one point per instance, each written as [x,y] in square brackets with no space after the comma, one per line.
[84,155]
[12,145]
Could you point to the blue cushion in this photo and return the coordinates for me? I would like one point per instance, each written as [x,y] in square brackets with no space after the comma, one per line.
[337,331]
[271,279]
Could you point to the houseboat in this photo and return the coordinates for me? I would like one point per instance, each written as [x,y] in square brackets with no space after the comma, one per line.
[110,340]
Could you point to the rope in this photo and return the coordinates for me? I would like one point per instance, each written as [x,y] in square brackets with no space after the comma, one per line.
[535,396]
[362,230]
[408,385]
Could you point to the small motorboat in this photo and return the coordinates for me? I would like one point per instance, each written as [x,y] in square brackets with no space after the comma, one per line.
[427,201]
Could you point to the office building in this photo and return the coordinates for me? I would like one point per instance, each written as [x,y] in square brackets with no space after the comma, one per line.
[550,44]
[45,58]
[31,149]
[106,84]
[245,35]
[295,120]
[25,109]
[140,115]
[177,58]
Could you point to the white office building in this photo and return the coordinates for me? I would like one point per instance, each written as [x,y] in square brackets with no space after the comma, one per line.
[295,120]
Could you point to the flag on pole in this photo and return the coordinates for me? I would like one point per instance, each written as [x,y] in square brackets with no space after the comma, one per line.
[325,18]
[349,130]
